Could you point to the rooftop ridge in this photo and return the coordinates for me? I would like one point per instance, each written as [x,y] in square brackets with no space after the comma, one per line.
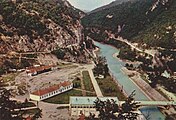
[51,88]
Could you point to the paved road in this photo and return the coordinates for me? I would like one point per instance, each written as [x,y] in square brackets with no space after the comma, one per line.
[95,84]
[132,46]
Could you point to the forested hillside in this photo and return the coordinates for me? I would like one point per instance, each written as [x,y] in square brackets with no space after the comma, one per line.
[144,21]
[38,25]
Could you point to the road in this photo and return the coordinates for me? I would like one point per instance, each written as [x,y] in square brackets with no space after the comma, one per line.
[24,53]
[132,45]
[95,84]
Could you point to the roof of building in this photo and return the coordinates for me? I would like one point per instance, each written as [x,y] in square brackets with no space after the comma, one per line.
[38,68]
[51,89]
[29,118]
[76,100]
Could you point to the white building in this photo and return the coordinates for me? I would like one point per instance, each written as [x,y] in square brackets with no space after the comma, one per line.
[51,91]
[34,70]
[85,105]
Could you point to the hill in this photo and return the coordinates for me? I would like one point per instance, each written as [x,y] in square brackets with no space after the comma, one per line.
[114,3]
[38,25]
[143,21]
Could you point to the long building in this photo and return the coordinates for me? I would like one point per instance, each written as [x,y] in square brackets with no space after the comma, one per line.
[51,91]
[34,70]
[85,105]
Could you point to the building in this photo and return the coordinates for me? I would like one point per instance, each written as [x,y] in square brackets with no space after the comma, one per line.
[85,105]
[34,70]
[51,91]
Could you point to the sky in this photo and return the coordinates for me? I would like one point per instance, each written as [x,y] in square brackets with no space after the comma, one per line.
[89,4]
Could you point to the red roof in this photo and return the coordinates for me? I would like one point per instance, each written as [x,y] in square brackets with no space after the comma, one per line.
[37,69]
[29,118]
[51,89]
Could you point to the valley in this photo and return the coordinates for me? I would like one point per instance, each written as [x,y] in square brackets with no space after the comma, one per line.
[115,62]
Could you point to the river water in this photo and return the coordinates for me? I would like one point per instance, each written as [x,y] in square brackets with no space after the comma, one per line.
[115,68]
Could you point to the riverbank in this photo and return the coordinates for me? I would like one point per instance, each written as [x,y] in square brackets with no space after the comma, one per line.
[124,80]
[149,91]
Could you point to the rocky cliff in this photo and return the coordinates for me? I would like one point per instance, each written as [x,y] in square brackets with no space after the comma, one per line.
[38,25]
[28,26]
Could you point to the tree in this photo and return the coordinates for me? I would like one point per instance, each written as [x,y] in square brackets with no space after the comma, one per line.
[60,53]
[2,71]
[109,108]
[37,115]
[101,67]
[7,106]
[128,109]
[106,109]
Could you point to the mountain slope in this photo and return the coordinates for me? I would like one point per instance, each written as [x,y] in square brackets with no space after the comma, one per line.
[47,26]
[143,21]
[38,25]
[114,3]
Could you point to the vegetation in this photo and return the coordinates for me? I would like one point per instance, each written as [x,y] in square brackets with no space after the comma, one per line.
[108,109]
[87,81]
[2,71]
[60,53]
[9,77]
[77,83]
[110,88]
[20,18]
[101,67]
[7,107]
[64,97]
[127,54]
[137,22]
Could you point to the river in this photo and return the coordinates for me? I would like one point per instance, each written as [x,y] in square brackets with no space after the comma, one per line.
[128,85]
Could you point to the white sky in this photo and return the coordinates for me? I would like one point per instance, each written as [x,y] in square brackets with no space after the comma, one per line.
[89,4]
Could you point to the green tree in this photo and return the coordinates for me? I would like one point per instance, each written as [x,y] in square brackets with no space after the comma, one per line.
[7,106]
[37,115]
[106,109]
[109,108]
[59,53]
[101,67]
[128,109]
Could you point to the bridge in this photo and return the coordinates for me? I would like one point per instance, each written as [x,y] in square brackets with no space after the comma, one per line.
[154,103]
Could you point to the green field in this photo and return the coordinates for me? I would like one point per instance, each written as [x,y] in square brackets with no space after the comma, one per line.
[110,88]
[87,81]
[64,97]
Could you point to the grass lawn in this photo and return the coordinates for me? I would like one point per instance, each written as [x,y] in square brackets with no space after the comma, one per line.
[64,97]
[90,94]
[110,88]
[87,81]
